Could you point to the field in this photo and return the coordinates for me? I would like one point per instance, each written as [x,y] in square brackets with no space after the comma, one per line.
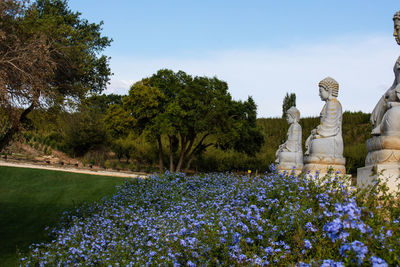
[31,200]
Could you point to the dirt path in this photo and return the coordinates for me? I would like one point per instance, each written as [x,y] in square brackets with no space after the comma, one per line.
[70,169]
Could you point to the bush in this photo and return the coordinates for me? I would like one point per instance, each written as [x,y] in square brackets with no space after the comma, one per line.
[83,131]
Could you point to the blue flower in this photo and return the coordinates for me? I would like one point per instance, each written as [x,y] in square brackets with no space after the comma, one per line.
[332,263]
[249,240]
[310,227]
[307,244]
[358,247]
[377,262]
[190,264]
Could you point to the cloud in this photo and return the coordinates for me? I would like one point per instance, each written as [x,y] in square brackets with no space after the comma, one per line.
[120,87]
[362,66]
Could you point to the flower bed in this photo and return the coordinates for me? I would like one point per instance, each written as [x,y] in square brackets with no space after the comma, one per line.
[228,219]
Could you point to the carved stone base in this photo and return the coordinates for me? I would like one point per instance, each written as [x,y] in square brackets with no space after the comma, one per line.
[383,150]
[368,174]
[313,164]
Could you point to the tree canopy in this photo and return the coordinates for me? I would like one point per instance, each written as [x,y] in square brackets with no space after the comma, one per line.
[191,114]
[47,54]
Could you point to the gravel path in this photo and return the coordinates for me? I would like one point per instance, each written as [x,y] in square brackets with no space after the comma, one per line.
[70,169]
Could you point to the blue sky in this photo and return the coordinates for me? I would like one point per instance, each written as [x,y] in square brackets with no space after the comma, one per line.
[261,48]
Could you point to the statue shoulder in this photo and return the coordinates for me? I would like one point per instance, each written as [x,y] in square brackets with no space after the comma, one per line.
[334,103]
[296,126]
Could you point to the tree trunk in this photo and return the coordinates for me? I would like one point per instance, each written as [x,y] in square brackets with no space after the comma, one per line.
[184,151]
[197,147]
[171,155]
[5,141]
[191,157]
[188,164]
[160,155]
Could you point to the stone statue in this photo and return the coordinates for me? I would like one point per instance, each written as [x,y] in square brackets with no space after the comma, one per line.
[384,146]
[324,147]
[386,101]
[390,95]
[290,153]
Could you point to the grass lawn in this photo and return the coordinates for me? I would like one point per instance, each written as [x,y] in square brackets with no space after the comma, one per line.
[32,199]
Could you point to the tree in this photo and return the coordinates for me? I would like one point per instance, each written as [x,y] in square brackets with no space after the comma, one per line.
[47,55]
[192,113]
[25,68]
[118,122]
[288,102]
[83,131]
[100,103]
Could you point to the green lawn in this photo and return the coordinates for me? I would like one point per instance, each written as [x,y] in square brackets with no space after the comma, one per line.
[32,199]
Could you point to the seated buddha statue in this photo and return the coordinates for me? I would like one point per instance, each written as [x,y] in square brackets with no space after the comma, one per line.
[384,102]
[384,146]
[290,154]
[324,147]
[383,158]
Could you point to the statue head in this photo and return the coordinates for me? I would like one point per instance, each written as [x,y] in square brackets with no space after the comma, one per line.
[396,20]
[328,88]
[292,115]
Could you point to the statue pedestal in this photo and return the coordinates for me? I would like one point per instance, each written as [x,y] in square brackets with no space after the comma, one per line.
[367,175]
[383,158]
[288,160]
[313,164]
[288,167]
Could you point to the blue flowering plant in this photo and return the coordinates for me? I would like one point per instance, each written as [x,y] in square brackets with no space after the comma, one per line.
[227,219]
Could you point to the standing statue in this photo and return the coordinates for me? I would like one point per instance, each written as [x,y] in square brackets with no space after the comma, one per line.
[384,146]
[290,154]
[324,147]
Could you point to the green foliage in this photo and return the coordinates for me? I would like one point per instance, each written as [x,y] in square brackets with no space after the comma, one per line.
[118,121]
[54,56]
[100,103]
[83,131]
[288,102]
[188,110]
[123,147]
[355,131]
[75,48]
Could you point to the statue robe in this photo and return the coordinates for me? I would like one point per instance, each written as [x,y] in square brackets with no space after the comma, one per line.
[390,95]
[290,153]
[328,141]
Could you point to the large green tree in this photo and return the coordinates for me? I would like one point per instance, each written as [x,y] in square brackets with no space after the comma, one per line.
[192,114]
[47,54]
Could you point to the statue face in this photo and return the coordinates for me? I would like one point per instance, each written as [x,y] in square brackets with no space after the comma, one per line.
[289,118]
[396,32]
[323,93]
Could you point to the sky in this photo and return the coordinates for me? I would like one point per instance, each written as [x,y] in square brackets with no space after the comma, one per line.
[261,48]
